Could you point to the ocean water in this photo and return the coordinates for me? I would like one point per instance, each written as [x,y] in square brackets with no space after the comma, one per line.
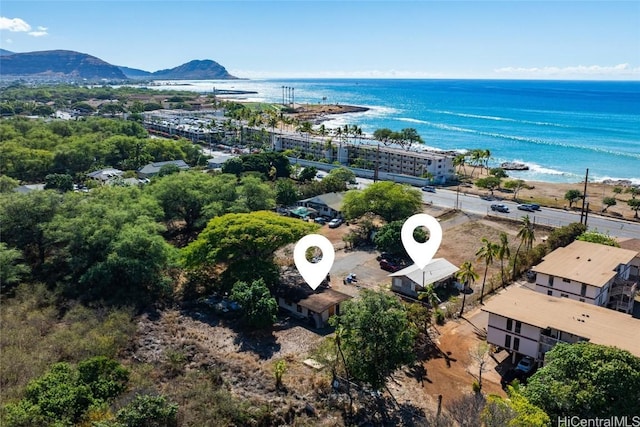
[558,128]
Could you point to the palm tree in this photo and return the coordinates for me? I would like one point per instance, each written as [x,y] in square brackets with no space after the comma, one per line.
[503,252]
[429,293]
[526,236]
[467,276]
[476,158]
[486,253]
[459,160]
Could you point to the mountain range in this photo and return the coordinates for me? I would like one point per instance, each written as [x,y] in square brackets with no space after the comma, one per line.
[67,64]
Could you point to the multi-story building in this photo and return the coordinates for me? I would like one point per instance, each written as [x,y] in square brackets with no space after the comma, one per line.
[531,323]
[591,273]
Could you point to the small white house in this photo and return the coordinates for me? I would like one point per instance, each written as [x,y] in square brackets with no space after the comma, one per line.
[411,280]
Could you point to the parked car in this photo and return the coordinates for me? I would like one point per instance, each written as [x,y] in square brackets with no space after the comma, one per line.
[390,266]
[500,208]
[526,365]
[526,207]
[320,220]
[429,188]
[335,223]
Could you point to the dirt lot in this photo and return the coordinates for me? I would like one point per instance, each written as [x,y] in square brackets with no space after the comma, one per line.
[247,360]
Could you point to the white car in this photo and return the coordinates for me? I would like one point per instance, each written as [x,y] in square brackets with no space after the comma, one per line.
[335,223]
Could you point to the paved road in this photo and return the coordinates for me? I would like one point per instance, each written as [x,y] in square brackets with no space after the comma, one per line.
[545,216]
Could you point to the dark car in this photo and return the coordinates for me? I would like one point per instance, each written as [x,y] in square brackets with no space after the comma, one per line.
[320,220]
[534,206]
[526,207]
[500,208]
[389,266]
[429,188]
[512,375]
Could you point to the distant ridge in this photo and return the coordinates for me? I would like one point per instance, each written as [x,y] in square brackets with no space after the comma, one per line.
[195,70]
[58,64]
[67,64]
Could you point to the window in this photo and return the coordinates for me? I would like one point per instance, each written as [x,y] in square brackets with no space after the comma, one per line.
[299,308]
[550,280]
[564,295]
[565,280]
[516,344]
[518,327]
[583,290]
[507,341]
[509,324]
[581,299]
[550,293]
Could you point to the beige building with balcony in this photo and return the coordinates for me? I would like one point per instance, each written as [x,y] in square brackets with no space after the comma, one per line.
[530,323]
[591,273]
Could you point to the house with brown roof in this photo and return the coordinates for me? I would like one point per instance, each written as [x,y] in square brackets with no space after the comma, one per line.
[591,273]
[318,305]
[531,323]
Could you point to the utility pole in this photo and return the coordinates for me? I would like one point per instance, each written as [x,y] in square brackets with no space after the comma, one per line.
[584,198]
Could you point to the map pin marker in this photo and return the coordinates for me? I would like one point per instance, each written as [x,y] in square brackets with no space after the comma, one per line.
[421,253]
[314,273]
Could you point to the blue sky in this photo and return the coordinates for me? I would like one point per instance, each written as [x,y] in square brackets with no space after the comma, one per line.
[305,38]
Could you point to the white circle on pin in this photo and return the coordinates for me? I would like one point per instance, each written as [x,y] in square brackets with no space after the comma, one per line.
[421,253]
[314,273]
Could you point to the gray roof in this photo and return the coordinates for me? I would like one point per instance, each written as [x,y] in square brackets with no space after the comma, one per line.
[105,174]
[438,269]
[27,188]
[154,168]
[219,160]
[333,200]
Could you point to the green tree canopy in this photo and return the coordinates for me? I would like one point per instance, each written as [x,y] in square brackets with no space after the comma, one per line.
[389,238]
[184,196]
[107,245]
[242,240]
[259,308]
[586,379]
[390,200]
[594,236]
[572,196]
[375,336]
[63,395]
[489,182]
[286,192]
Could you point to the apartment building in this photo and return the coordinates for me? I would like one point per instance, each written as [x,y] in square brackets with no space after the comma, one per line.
[592,273]
[531,323]
[381,158]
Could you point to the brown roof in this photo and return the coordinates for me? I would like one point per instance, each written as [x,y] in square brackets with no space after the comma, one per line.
[629,243]
[320,302]
[599,325]
[590,263]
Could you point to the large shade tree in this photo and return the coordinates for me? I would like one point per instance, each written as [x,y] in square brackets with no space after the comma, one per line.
[375,337]
[244,244]
[389,200]
[591,380]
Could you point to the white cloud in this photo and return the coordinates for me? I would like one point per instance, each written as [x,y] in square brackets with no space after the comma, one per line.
[38,33]
[620,70]
[14,24]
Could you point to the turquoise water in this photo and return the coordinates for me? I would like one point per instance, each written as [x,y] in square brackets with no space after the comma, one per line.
[558,128]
